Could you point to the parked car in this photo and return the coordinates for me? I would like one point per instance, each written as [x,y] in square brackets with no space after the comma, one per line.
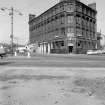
[94,52]
[103,51]
[2,52]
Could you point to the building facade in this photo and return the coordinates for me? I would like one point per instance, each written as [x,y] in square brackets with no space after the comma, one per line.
[68,27]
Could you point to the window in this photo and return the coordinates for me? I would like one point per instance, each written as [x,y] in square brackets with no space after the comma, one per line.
[79,8]
[83,23]
[70,19]
[78,21]
[70,30]
[79,32]
[62,20]
[70,8]
[61,7]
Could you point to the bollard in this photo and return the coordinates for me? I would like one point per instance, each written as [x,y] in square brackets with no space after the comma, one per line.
[28,55]
[15,54]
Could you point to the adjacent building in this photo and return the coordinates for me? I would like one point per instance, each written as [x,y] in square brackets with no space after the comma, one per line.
[70,26]
[102,41]
[99,38]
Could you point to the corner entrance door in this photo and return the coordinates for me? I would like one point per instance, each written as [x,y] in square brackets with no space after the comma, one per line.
[70,49]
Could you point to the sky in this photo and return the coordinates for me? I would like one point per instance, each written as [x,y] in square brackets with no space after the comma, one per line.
[21,27]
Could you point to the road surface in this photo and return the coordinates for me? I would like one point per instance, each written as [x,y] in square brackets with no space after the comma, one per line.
[55,61]
[52,80]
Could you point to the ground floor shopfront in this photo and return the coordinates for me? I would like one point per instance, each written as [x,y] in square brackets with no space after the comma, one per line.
[77,46]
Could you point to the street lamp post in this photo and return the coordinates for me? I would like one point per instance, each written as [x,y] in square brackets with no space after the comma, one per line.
[16,38]
[11,36]
[12,23]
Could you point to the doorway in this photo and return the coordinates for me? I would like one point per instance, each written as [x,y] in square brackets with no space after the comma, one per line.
[70,49]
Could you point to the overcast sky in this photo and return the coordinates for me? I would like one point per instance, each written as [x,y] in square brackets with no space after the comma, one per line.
[21,30]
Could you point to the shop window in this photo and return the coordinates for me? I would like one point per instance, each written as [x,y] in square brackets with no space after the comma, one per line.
[62,44]
[63,31]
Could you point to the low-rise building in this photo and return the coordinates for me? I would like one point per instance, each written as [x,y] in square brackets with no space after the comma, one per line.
[102,41]
[99,38]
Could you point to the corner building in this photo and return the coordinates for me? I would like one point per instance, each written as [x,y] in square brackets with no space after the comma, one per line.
[68,27]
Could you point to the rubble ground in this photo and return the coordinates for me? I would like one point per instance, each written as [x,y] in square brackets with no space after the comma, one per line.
[48,88]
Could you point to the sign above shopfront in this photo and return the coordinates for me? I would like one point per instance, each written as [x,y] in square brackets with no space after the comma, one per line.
[70,34]
[70,44]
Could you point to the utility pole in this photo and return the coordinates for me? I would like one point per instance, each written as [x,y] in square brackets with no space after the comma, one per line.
[12,11]
[11,36]
[16,38]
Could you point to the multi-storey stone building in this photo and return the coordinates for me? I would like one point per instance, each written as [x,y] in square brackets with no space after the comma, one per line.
[67,27]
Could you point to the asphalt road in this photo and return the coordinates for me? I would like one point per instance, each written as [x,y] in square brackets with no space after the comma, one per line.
[55,60]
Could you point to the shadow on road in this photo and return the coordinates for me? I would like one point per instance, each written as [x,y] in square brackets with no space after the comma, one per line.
[2,63]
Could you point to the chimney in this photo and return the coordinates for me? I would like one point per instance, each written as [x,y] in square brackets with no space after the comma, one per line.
[92,5]
[31,16]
